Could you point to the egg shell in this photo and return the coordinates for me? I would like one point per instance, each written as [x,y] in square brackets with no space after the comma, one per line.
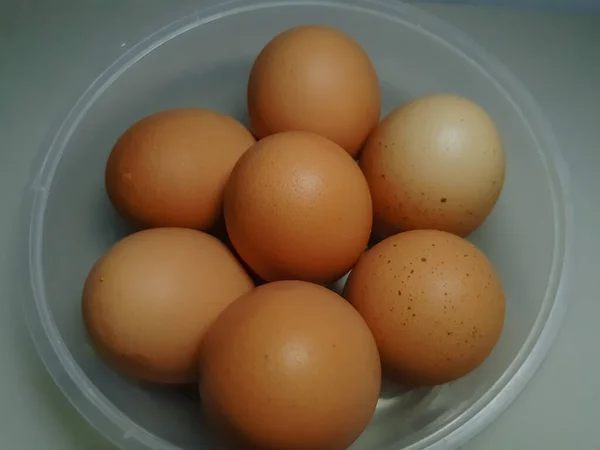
[298,207]
[318,79]
[149,300]
[433,302]
[170,168]
[291,365]
[435,163]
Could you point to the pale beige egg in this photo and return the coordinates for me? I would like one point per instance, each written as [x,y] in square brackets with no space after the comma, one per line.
[435,163]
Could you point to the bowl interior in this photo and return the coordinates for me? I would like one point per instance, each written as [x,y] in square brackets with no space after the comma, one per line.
[207,65]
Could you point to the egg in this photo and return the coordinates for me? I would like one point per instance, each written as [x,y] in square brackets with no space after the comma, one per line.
[318,79]
[290,365]
[435,163]
[149,300]
[170,168]
[298,207]
[433,302]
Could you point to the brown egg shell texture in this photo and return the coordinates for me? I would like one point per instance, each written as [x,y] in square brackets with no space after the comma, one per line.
[290,365]
[433,302]
[317,79]
[297,206]
[170,168]
[148,301]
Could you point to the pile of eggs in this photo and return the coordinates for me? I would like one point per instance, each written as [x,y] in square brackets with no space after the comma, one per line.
[283,361]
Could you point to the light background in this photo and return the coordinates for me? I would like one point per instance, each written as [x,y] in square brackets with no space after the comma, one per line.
[51,51]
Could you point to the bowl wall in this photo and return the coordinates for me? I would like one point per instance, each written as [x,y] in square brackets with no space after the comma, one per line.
[204,61]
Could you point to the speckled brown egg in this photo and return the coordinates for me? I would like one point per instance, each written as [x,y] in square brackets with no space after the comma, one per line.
[298,207]
[433,302]
[290,365]
[170,168]
[149,300]
[318,79]
[435,163]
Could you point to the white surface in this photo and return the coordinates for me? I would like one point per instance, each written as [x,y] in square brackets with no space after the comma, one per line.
[65,48]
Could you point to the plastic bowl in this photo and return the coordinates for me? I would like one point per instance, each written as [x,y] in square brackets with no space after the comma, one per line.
[204,60]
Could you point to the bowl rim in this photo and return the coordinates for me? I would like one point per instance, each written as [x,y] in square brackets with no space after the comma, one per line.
[120,429]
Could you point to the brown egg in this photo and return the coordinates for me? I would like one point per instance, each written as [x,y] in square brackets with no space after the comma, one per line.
[170,168]
[435,163]
[314,78]
[292,366]
[298,207]
[433,302]
[149,300]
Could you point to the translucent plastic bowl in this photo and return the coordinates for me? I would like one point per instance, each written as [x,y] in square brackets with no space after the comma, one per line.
[204,60]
